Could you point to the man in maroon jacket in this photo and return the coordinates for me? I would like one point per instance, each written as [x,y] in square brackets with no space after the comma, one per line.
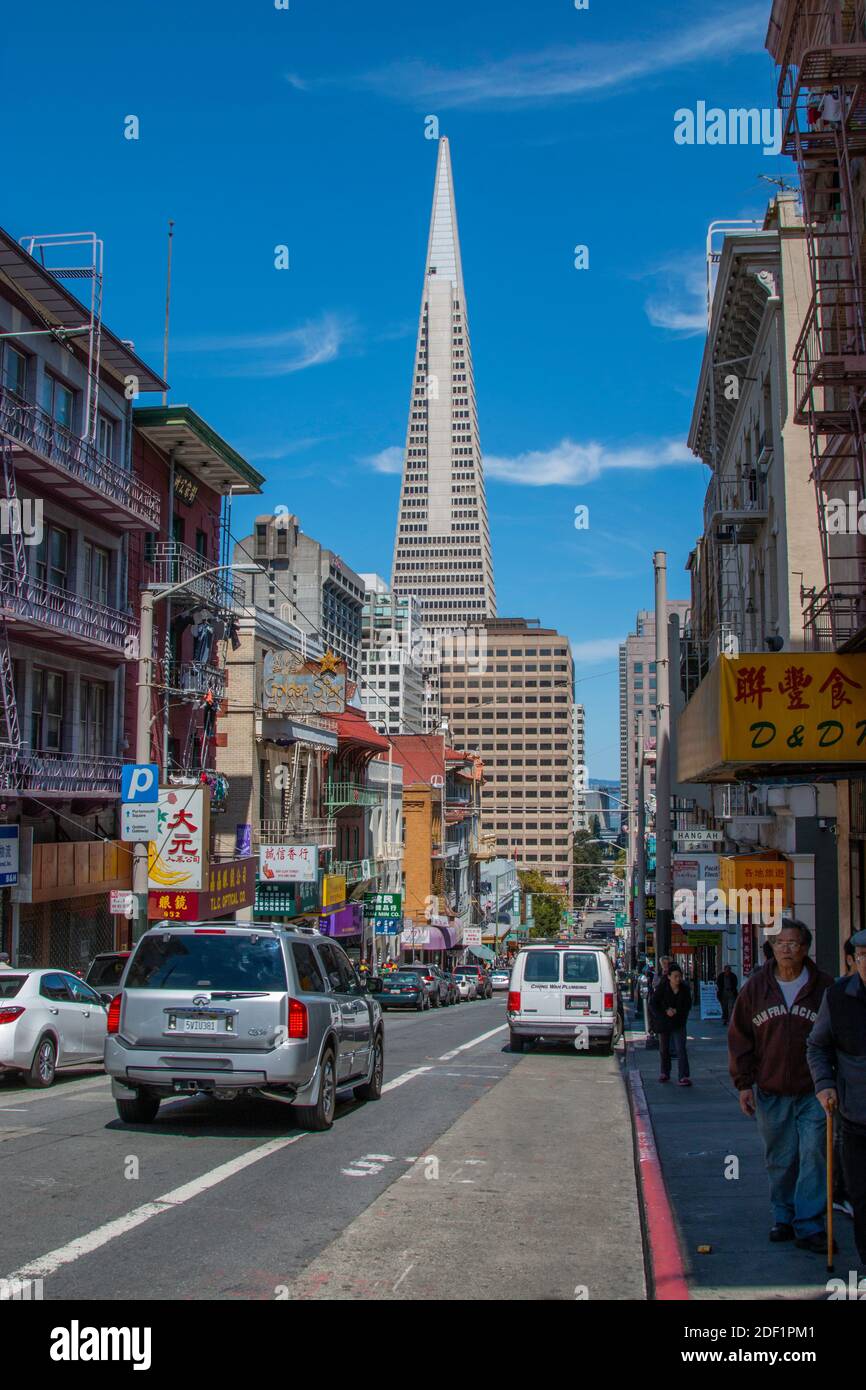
[772,1019]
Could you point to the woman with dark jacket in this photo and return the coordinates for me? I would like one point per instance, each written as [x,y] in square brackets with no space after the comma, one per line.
[672,1002]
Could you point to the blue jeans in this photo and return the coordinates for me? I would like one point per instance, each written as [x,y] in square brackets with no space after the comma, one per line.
[793,1129]
[678,1036]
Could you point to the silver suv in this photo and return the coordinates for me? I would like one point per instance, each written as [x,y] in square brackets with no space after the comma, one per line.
[232,1009]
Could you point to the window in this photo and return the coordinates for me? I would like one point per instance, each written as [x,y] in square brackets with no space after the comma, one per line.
[337,967]
[106,436]
[93,705]
[310,979]
[54,987]
[581,967]
[96,563]
[52,558]
[58,401]
[201,544]
[46,733]
[15,371]
[82,993]
[542,967]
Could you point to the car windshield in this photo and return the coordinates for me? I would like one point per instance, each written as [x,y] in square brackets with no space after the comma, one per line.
[580,968]
[10,984]
[170,961]
[106,971]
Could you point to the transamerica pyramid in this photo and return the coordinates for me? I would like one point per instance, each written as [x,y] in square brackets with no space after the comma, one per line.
[442,548]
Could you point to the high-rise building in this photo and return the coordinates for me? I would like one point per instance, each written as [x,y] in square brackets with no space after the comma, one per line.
[442,548]
[637,692]
[516,708]
[580,770]
[392,650]
[304,584]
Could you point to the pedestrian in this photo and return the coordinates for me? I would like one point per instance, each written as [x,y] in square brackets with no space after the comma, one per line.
[727,988]
[4,961]
[840,1190]
[771,1020]
[672,1002]
[836,1050]
[662,971]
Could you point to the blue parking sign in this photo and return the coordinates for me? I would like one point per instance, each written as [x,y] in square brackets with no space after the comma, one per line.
[139,782]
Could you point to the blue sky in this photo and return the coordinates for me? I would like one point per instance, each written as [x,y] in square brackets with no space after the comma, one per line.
[306,127]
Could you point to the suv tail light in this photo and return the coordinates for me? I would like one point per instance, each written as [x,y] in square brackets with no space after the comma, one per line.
[113,1017]
[514,1001]
[10,1013]
[608,1002]
[299,1021]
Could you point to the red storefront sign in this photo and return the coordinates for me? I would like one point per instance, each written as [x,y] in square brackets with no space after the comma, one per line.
[231,887]
[748,959]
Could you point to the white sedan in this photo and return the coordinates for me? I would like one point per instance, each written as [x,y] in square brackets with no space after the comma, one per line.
[48,1019]
[466,986]
[500,979]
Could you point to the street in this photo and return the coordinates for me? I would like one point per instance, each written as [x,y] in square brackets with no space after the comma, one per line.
[448,1178]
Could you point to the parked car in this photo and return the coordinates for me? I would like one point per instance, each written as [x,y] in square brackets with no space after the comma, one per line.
[49,1020]
[467,986]
[105,970]
[404,989]
[435,982]
[483,987]
[499,980]
[265,1010]
[453,991]
[560,988]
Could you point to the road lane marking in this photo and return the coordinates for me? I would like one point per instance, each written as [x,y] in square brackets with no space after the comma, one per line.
[449,1056]
[71,1088]
[403,1077]
[102,1235]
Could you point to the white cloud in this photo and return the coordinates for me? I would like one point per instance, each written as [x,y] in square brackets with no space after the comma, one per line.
[386,461]
[679,305]
[568,462]
[575,71]
[277,354]
[596,649]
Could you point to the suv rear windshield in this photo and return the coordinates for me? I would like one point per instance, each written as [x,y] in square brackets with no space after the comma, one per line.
[542,967]
[466,970]
[10,984]
[168,961]
[580,968]
[106,971]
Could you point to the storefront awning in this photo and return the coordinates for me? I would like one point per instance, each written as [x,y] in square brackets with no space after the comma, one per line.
[776,716]
[482,952]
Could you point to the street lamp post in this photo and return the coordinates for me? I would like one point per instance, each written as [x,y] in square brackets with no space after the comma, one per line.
[150,596]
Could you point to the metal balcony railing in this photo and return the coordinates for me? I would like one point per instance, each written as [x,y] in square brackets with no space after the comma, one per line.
[33,601]
[830,354]
[482,846]
[39,434]
[735,508]
[810,28]
[833,616]
[192,679]
[340,796]
[172,562]
[31,771]
[309,832]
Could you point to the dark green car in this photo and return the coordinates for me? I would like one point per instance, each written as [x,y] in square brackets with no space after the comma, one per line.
[403,989]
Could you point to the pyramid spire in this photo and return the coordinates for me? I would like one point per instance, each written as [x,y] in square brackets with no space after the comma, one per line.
[442,548]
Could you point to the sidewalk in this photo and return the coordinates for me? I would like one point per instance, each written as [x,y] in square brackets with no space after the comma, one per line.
[697,1132]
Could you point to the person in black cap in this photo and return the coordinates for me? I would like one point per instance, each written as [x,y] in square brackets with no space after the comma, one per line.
[836,1052]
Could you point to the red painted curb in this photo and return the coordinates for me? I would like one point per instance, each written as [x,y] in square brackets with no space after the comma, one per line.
[668,1271]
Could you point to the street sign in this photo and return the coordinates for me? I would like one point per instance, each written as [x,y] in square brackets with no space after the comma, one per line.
[139,782]
[472,936]
[139,823]
[8,855]
[699,837]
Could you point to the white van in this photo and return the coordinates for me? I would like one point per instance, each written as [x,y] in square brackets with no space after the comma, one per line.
[566,990]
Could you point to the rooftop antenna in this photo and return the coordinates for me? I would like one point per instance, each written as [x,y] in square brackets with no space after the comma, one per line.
[167,308]
[781,184]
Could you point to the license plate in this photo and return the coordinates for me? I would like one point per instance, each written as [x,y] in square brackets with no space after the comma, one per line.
[576,1001]
[200,1025]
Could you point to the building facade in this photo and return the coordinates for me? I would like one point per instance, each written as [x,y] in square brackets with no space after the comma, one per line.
[394,651]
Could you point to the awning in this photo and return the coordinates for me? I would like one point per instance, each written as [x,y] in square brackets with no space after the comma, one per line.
[352,727]
[482,952]
[286,731]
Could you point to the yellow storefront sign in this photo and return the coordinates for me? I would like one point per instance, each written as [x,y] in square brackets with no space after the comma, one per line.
[774,708]
[333,890]
[746,871]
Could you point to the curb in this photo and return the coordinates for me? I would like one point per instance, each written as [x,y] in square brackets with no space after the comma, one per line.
[665,1261]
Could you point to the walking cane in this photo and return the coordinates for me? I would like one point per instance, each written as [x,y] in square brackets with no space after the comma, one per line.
[830,1191]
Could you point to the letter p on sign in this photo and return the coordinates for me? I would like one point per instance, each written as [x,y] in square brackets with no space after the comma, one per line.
[139,782]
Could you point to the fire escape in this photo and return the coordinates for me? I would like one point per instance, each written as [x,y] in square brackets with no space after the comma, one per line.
[820,49]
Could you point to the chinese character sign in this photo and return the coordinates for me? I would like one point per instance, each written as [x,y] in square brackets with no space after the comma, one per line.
[794,707]
[288,863]
[178,857]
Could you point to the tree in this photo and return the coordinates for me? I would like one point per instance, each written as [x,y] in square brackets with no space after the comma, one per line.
[548,902]
[588,881]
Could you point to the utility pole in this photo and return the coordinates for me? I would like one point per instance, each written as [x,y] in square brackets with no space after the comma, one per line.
[142,746]
[640,845]
[664,887]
